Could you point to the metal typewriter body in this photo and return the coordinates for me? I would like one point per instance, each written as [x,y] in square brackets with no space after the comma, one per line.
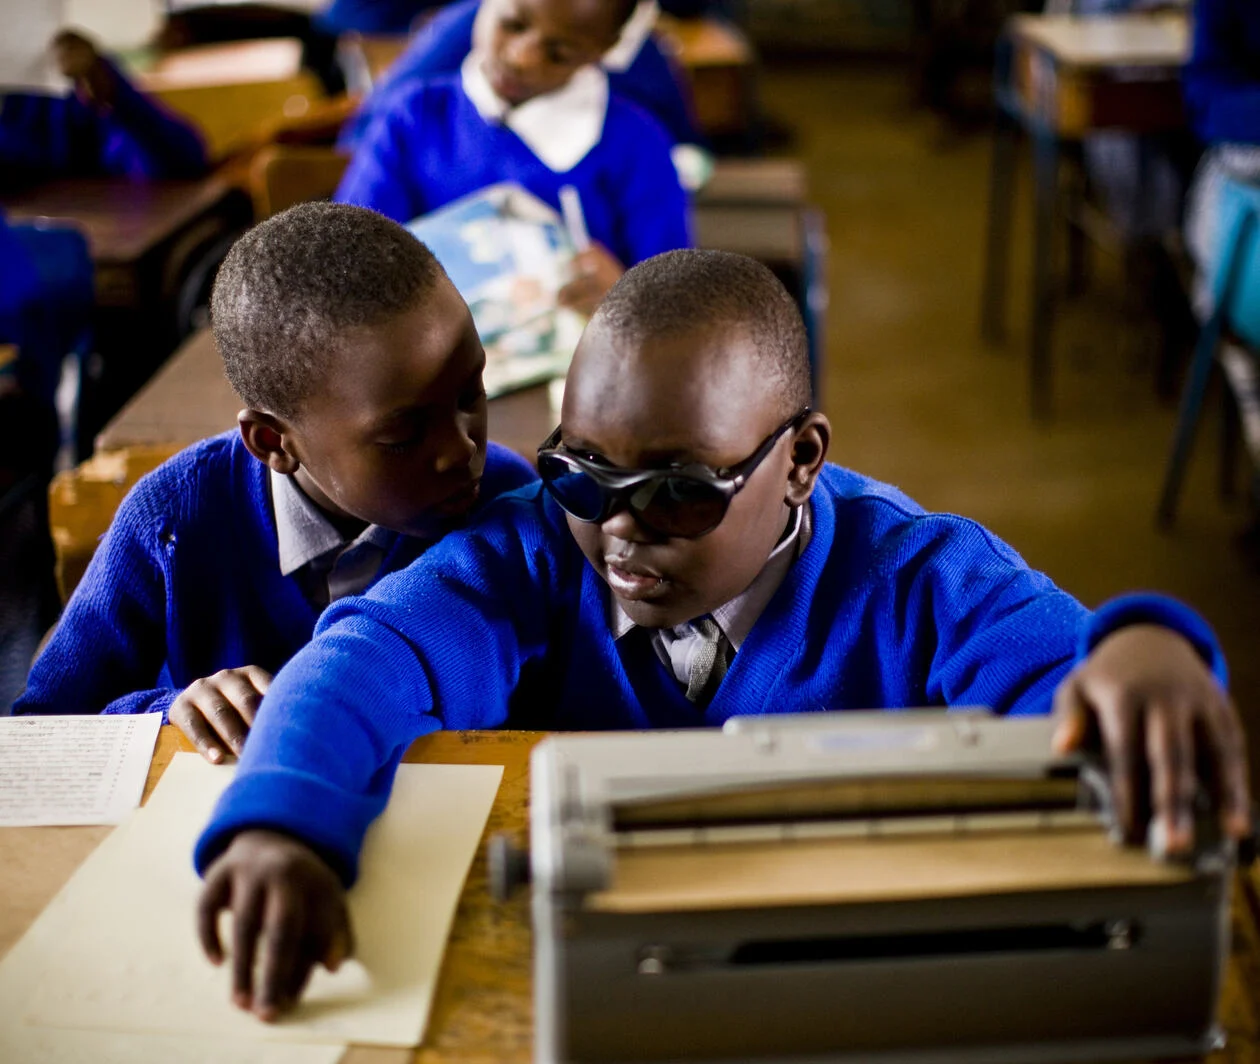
[850,886]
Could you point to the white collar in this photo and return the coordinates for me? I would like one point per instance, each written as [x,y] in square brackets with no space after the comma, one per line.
[560,127]
[634,35]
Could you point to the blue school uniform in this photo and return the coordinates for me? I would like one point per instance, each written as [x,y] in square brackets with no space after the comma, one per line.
[372,16]
[434,146]
[46,301]
[1222,78]
[506,623]
[45,137]
[188,581]
[651,81]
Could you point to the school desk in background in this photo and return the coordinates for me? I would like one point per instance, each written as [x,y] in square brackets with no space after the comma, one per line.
[1060,78]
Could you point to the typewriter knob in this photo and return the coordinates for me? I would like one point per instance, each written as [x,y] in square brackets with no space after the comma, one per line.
[507,867]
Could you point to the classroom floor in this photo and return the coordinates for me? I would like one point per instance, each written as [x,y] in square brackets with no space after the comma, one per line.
[916,399]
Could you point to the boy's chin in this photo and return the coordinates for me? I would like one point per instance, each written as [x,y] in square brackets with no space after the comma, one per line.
[659,613]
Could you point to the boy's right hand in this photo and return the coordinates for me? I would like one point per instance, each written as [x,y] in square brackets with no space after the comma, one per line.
[216,711]
[288,914]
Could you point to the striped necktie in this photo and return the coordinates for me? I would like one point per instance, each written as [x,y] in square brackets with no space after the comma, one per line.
[710,661]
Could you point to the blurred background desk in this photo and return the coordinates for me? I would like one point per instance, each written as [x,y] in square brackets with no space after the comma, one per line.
[1060,78]
[155,247]
[235,92]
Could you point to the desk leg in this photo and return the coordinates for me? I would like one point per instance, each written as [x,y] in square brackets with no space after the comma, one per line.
[998,239]
[1045,180]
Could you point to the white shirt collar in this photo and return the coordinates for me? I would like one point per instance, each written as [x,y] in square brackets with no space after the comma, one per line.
[560,127]
[634,35]
[737,617]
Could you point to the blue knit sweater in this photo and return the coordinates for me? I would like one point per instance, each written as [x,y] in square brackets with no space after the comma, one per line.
[506,623]
[441,44]
[434,147]
[187,582]
[1222,79]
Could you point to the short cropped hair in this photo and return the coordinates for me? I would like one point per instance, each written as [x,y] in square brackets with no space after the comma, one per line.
[293,284]
[679,291]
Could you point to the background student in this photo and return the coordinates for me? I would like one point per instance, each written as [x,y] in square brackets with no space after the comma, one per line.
[104,128]
[638,70]
[692,558]
[362,442]
[530,105]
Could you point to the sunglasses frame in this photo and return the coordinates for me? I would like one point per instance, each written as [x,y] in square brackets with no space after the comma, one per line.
[617,485]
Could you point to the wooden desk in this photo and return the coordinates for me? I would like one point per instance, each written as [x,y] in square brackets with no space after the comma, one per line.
[128,224]
[721,67]
[483,1011]
[235,93]
[1060,78]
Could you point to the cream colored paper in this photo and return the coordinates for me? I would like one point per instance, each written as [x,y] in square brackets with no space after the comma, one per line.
[48,1045]
[118,948]
[56,771]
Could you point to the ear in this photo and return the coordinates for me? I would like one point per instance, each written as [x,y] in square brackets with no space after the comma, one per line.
[267,439]
[809,453]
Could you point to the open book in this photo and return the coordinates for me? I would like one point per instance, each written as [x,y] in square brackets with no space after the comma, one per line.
[508,254]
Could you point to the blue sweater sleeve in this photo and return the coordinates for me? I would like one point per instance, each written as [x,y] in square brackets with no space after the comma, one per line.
[138,138]
[440,644]
[1222,79]
[438,47]
[108,649]
[377,176]
[654,212]
[1151,608]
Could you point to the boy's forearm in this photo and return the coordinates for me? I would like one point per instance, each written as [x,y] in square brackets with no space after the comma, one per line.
[324,746]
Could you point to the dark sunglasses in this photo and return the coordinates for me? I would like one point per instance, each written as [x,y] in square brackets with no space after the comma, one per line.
[687,502]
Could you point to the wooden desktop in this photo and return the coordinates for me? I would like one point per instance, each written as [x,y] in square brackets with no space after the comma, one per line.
[483,1010]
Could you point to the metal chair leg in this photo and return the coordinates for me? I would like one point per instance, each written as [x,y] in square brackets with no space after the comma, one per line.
[998,237]
[1188,418]
[1201,368]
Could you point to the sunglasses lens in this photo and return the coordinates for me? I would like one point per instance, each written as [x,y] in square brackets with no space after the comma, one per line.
[575,491]
[679,506]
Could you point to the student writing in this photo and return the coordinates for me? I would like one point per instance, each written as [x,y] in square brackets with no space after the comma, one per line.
[530,105]
[362,441]
[691,557]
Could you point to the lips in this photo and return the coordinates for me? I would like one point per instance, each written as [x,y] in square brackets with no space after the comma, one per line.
[462,499]
[633,582]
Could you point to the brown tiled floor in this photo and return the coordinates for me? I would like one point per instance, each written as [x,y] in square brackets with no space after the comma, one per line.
[915,398]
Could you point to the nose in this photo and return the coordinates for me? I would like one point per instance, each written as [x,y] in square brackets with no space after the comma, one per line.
[523,53]
[622,525]
[457,448]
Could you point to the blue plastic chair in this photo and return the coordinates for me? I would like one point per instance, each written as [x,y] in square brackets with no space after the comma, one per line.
[1236,317]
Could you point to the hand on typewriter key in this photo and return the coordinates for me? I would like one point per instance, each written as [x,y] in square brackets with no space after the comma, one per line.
[1160,715]
[288,915]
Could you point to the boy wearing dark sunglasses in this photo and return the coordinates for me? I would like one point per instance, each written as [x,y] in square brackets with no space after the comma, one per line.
[691,557]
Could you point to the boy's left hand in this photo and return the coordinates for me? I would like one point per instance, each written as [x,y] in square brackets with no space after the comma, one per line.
[1159,711]
[595,270]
